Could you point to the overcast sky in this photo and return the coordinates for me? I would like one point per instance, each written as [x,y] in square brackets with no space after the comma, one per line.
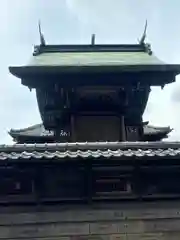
[73,21]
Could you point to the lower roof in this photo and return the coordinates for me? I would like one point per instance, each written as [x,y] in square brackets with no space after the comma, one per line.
[38,131]
[89,150]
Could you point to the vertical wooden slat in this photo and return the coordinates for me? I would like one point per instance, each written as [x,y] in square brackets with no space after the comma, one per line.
[73,133]
[89,181]
[38,181]
[137,180]
[123,130]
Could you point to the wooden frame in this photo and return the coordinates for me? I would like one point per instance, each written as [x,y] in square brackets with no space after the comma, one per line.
[90,175]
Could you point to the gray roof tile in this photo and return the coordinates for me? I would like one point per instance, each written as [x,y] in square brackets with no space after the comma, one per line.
[89,150]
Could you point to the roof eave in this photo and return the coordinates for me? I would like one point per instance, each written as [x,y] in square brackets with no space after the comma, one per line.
[72,146]
[26,71]
[163,130]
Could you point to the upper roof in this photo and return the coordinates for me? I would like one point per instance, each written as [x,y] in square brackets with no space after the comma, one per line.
[94,58]
[93,55]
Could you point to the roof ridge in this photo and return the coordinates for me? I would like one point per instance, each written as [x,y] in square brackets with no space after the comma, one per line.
[39,49]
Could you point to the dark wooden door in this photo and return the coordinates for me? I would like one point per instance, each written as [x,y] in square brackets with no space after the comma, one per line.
[97,128]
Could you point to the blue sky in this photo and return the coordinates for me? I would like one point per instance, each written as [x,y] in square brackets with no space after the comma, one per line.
[73,21]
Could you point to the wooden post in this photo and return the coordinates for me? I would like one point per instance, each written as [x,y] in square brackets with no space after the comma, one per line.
[57,134]
[73,135]
[89,181]
[123,130]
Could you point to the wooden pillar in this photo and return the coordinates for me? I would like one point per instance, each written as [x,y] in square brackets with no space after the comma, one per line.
[137,181]
[73,135]
[38,182]
[123,129]
[57,134]
[89,180]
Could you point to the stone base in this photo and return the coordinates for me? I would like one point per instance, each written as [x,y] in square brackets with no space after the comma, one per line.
[142,221]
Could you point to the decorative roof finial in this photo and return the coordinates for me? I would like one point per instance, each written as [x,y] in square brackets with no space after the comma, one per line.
[93,39]
[42,39]
[142,40]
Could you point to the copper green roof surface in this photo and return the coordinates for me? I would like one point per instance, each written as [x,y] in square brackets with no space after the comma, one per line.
[94,59]
[84,59]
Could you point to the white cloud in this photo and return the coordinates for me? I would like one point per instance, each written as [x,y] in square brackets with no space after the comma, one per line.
[118,18]
[100,12]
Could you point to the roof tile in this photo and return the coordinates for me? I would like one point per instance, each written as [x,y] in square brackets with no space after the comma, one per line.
[71,154]
[90,150]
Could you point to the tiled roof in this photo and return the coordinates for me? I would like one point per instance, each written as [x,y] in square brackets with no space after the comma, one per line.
[90,150]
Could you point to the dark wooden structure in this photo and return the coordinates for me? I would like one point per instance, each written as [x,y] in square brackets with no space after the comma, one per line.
[91,99]
[94,92]
[86,172]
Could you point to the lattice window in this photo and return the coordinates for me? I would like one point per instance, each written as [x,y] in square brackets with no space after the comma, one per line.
[111,184]
[62,183]
[15,183]
[163,183]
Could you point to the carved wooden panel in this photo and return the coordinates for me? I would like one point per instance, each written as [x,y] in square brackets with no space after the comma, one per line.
[132,133]
[51,102]
[96,98]
[65,183]
[15,183]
